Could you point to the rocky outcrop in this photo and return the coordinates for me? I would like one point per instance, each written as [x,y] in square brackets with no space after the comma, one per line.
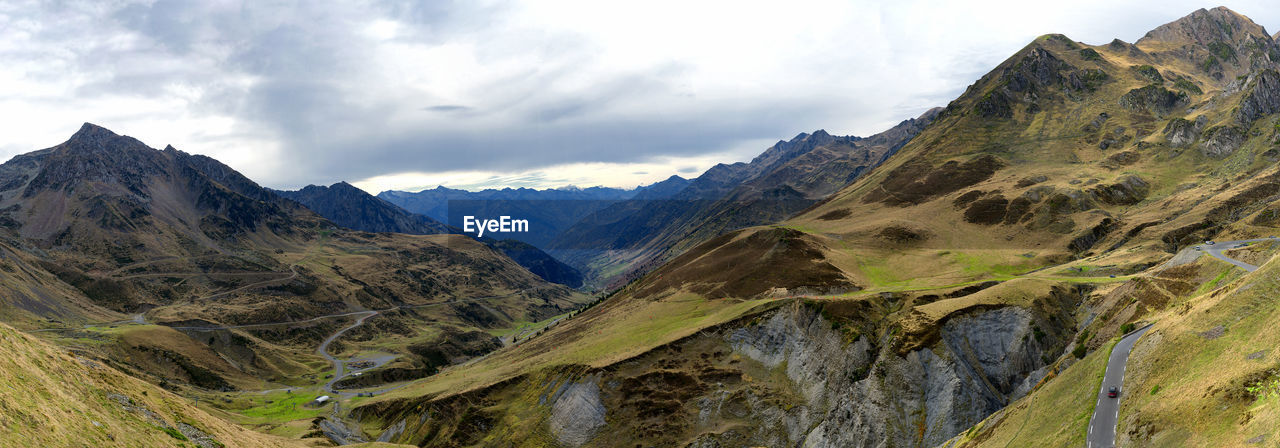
[1127,191]
[801,374]
[1218,41]
[1262,99]
[859,396]
[1038,69]
[1154,99]
[1221,141]
[1090,238]
[1182,133]
[577,412]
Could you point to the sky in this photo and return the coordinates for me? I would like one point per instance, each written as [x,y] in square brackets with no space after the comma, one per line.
[486,93]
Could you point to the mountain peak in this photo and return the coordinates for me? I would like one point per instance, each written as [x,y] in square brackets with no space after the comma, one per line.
[90,130]
[90,133]
[1205,27]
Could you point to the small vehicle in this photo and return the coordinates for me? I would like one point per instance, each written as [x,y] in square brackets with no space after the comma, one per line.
[1113,392]
[1210,242]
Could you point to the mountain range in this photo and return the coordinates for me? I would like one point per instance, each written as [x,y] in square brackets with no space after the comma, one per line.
[353,208]
[548,211]
[630,238]
[971,277]
[175,268]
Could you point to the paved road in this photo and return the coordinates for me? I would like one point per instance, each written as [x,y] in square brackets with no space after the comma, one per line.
[339,366]
[1102,427]
[1216,249]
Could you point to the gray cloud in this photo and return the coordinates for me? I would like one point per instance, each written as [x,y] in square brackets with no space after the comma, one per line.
[447,108]
[336,91]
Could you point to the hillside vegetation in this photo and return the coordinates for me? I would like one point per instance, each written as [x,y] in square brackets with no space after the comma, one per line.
[1033,221]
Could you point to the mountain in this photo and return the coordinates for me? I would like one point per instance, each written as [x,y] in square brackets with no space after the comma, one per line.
[548,211]
[633,236]
[178,270]
[965,292]
[538,262]
[353,208]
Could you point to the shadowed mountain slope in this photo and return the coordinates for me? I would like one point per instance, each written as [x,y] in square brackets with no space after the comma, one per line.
[353,208]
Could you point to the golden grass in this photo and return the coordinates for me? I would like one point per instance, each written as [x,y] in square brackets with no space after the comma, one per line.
[50,398]
[600,337]
[1192,389]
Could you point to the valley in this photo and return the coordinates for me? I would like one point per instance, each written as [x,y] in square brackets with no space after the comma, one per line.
[1081,218]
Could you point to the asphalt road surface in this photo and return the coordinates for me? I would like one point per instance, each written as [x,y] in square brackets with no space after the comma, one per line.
[1102,427]
[1216,249]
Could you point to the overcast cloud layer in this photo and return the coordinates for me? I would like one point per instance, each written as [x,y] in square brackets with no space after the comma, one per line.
[487,93]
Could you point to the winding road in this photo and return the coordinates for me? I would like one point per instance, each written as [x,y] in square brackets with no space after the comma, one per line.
[1102,426]
[340,366]
[1216,249]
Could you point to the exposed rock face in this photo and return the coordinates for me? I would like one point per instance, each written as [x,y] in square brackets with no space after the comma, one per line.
[1038,69]
[857,396]
[577,413]
[1149,72]
[1204,26]
[1154,99]
[1129,190]
[1037,75]
[1182,133]
[1263,98]
[1219,41]
[1097,233]
[786,377]
[1221,141]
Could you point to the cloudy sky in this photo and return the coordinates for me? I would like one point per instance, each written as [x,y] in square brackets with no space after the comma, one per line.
[477,93]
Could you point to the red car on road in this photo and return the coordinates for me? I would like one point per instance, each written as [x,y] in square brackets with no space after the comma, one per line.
[1113,392]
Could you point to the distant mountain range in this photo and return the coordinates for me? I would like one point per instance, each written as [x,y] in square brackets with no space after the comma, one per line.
[614,235]
[354,208]
[629,238]
[548,211]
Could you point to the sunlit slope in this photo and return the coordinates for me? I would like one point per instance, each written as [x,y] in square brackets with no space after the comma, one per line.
[1208,374]
[52,398]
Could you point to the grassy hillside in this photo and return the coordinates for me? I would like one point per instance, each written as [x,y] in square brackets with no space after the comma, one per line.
[1209,373]
[54,398]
